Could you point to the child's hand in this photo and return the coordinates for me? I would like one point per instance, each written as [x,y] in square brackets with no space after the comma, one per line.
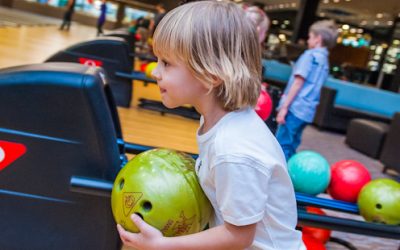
[148,238]
[280,118]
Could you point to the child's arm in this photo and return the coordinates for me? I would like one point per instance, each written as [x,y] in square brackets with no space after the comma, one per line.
[297,85]
[226,236]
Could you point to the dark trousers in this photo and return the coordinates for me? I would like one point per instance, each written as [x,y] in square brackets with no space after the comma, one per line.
[100,27]
[66,20]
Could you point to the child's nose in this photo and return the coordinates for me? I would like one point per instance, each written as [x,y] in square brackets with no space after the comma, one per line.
[156,73]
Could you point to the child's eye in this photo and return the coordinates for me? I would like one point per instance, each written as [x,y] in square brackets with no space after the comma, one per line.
[165,63]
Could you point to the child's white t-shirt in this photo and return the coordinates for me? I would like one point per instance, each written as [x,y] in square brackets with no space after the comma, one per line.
[242,170]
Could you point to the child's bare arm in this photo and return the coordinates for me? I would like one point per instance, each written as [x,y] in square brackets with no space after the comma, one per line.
[226,236]
[295,88]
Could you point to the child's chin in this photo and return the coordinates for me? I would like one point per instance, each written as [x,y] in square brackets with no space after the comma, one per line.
[170,105]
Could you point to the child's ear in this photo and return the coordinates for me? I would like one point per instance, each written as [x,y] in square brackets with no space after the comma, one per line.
[216,81]
[319,37]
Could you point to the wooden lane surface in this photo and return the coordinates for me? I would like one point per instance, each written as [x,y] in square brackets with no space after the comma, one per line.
[151,128]
[26,45]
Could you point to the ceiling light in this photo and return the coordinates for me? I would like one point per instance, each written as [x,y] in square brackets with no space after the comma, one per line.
[376,22]
[281,6]
[294,5]
[345,26]
[327,1]
[336,1]
[363,22]
[379,15]
[353,30]
[360,31]
[390,23]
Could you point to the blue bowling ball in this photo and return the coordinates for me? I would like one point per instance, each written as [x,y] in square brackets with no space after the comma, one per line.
[310,172]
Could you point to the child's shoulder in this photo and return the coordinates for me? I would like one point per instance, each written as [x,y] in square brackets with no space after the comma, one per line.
[246,134]
[315,55]
[242,123]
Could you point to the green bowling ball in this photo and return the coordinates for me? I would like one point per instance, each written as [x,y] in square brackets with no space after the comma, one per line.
[161,186]
[379,201]
[310,172]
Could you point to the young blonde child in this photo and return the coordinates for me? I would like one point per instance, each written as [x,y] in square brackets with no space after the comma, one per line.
[301,96]
[209,57]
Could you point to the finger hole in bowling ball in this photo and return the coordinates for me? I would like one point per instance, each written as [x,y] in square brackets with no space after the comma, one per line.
[378,206]
[147,206]
[121,184]
[140,215]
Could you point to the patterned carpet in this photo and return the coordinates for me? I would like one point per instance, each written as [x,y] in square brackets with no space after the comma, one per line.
[332,146]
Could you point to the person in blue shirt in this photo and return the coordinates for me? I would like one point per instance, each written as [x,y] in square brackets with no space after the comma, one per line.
[301,96]
[102,17]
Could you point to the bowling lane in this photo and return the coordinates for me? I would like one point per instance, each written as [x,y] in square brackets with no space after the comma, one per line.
[25,45]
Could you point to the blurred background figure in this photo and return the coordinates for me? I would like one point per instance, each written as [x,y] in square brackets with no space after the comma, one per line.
[102,17]
[133,26]
[143,30]
[68,15]
[268,99]
[260,19]
[157,18]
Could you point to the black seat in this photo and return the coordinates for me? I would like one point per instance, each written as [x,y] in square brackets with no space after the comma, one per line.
[391,147]
[110,53]
[61,113]
[366,136]
[126,35]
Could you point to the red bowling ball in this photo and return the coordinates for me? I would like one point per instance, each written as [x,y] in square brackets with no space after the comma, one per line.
[143,67]
[320,234]
[347,179]
[311,243]
[138,37]
[264,104]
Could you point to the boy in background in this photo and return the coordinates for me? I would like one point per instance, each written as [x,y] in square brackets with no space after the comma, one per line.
[301,96]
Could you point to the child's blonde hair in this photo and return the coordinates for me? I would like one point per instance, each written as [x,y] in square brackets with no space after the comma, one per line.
[217,43]
[327,30]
